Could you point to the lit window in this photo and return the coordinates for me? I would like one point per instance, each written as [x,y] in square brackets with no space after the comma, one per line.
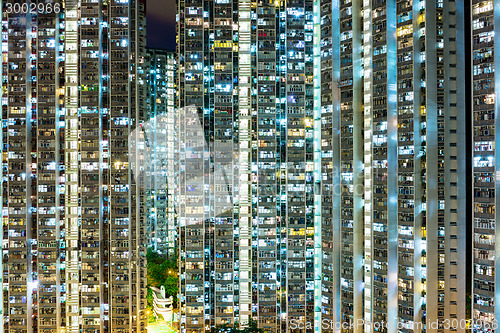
[483,7]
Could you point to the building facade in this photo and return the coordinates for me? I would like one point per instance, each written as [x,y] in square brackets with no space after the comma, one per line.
[246,196]
[336,125]
[161,152]
[371,93]
[393,165]
[73,234]
[485,119]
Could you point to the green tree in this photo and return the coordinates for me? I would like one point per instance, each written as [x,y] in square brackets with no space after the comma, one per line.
[163,272]
[149,298]
[153,257]
[171,286]
[149,305]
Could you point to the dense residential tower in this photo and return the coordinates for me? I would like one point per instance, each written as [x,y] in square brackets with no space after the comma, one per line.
[394,163]
[73,247]
[485,298]
[246,200]
[322,174]
[160,167]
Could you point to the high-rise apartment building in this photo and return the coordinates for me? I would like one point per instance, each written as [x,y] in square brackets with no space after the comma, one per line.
[322,166]
[485,299]
[393,114]
[73,247]
[246,204]
[160,153]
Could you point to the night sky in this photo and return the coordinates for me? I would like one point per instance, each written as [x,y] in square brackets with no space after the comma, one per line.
[160,27]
